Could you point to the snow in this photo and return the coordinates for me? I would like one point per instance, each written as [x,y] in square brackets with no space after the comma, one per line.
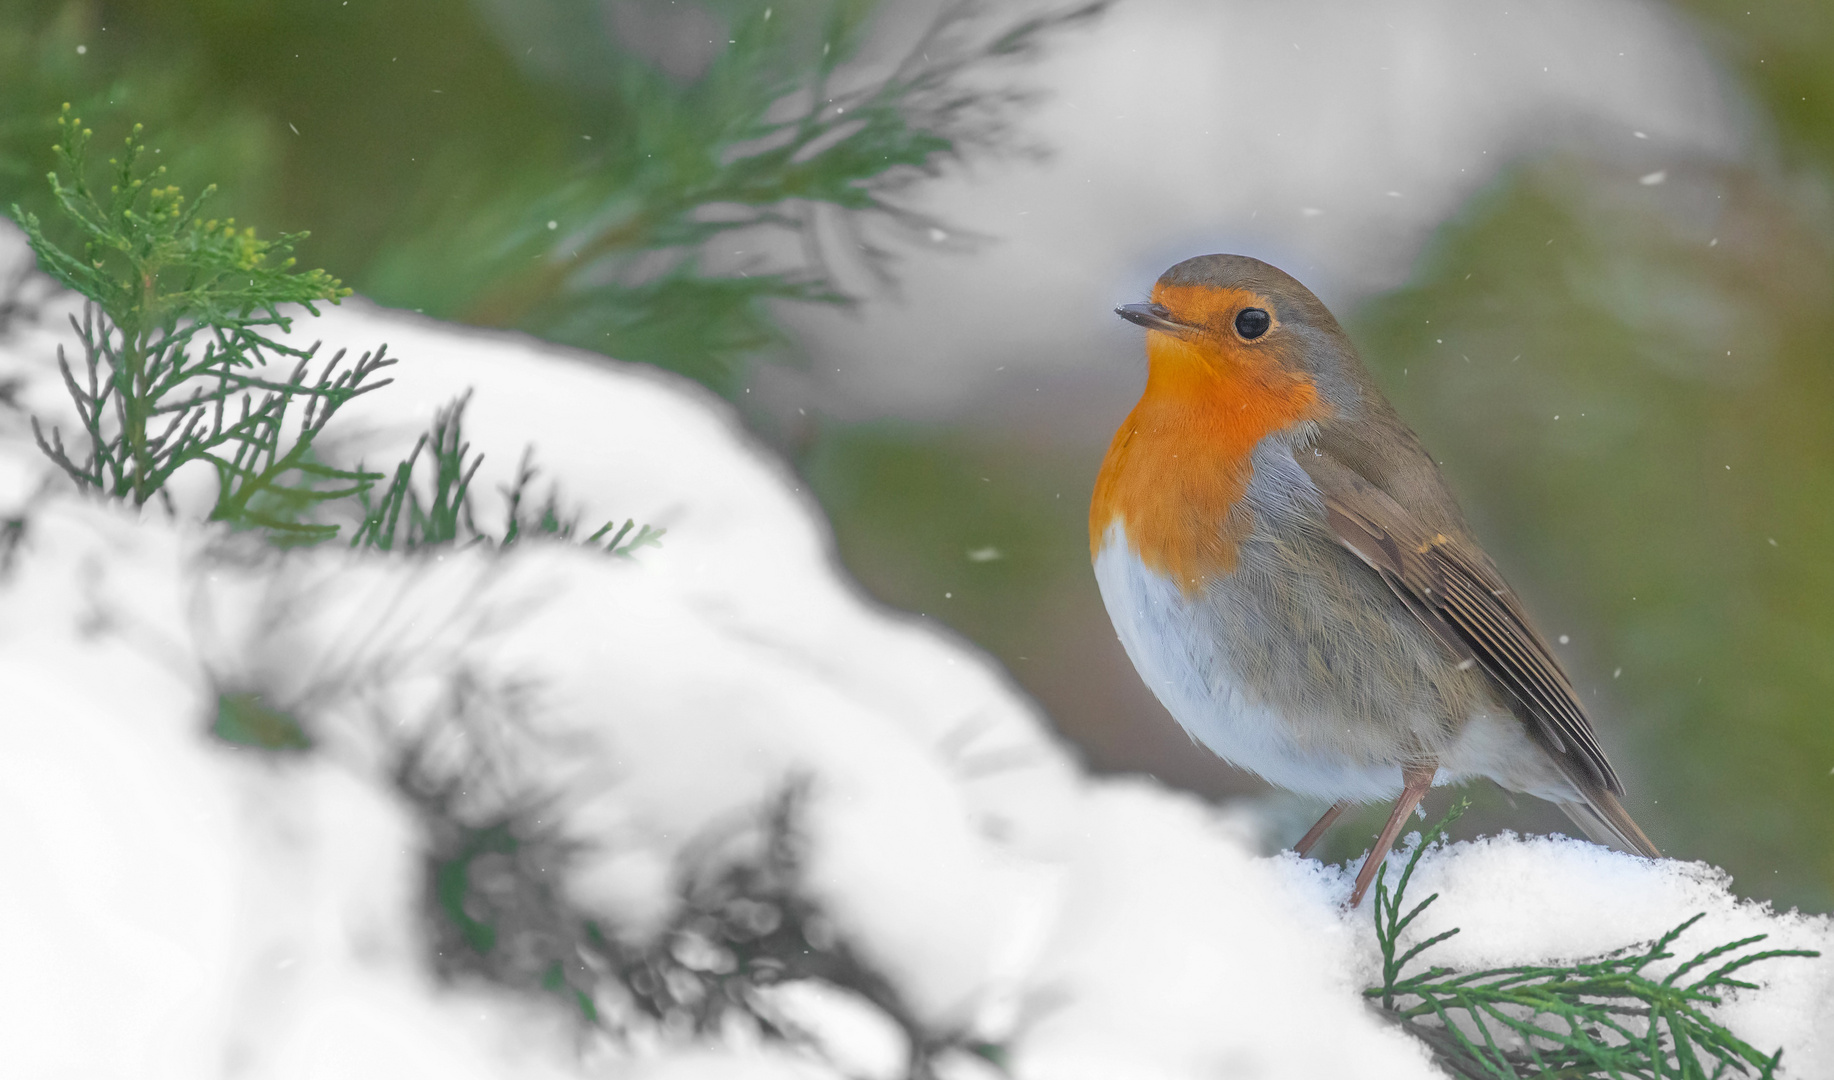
[858,1039]
[1505,893]
[1172,935]
[182,908]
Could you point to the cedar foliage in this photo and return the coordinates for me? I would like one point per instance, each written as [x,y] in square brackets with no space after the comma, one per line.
[1607,1017]
[178,365]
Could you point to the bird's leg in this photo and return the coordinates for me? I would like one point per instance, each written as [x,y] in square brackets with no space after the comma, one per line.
[1304,846]
[1416,779]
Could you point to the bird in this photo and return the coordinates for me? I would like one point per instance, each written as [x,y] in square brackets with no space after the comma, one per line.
[1294,580]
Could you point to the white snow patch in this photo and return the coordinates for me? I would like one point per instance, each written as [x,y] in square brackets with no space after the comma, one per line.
[1173,936]
[859,1039]
[1527,900]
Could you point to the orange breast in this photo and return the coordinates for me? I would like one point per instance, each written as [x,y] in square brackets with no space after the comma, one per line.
[1179,466]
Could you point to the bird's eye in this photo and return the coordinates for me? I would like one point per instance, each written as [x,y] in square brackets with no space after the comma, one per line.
[1252,322]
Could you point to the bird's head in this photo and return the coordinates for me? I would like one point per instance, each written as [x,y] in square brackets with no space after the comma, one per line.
[1220,322]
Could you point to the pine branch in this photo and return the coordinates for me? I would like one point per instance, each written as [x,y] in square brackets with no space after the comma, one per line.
[761,153]
[411,515]
[1601,1018]
[177,342]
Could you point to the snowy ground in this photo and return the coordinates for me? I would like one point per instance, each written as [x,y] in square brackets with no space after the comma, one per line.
[180,908]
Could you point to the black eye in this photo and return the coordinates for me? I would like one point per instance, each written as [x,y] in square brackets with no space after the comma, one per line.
[1252,322]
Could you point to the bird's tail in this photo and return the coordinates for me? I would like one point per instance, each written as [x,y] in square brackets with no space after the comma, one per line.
[1605,820]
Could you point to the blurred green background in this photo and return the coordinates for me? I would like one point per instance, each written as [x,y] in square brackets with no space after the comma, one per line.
[1635,400]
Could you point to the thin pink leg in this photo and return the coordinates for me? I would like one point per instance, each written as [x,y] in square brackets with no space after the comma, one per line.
[1417,780]
[1311,838]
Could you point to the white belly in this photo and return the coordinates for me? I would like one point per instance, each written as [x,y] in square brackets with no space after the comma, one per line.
[1173,643]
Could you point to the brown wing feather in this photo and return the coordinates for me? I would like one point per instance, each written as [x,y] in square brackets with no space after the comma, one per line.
[1468,607]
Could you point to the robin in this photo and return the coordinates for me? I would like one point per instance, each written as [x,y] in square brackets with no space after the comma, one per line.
[1290,575]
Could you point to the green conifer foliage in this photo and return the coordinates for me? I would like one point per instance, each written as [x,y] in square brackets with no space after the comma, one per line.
[178,366]
[1608,1017]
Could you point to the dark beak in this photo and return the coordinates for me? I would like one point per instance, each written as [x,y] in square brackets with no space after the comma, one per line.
[1151,316]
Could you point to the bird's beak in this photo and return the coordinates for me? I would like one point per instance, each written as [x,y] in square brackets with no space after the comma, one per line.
[1153,317]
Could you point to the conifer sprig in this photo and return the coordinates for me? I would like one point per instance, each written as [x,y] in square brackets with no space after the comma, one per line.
[1607,1017]
[177,352]
[402,518]
[785,145]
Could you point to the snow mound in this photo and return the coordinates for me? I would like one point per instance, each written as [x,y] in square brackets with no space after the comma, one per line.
[1530,900]
[186,907]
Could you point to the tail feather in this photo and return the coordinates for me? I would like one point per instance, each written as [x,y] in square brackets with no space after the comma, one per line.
[1605,820]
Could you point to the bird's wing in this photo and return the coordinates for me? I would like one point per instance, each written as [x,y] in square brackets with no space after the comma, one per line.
[1451,587]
